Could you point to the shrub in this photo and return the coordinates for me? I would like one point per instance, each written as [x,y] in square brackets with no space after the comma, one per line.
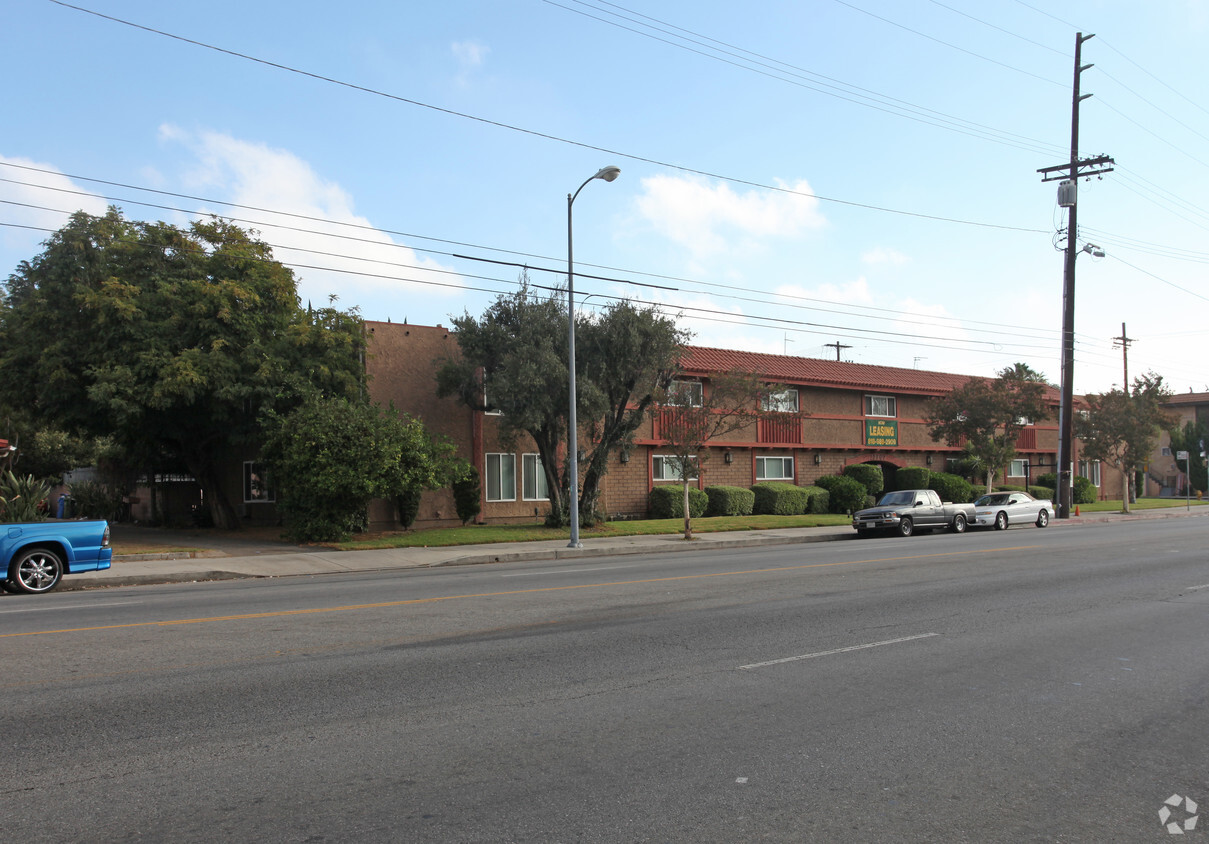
[96,501]
[844,494]
[780,499]
[868,475]
[1041,493]
[1010,488]
[912,477]
[22,499]
[820,499]
[667,502]
[1084,491]
[1049,479]
[467,496]
[729,501]
[951,488]
[408,502]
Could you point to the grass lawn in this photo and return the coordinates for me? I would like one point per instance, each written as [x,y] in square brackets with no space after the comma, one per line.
[480,534]
[1114,505]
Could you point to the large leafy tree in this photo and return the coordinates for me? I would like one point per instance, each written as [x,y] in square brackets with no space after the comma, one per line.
[513,359]
[1122,428]
[170,340]
[330,456]
[987,415]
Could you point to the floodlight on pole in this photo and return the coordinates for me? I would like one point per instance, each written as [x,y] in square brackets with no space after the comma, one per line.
[607,174]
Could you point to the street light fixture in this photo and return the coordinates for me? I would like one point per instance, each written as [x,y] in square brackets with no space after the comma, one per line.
[608,174]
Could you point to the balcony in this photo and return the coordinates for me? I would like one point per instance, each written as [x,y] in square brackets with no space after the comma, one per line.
[780,431]
[1027,439]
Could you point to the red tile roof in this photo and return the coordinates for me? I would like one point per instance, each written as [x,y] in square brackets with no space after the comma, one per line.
[701,360]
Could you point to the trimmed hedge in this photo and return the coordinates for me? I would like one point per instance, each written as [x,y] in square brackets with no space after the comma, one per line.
[667,502]
[1084,491]
[780,499]
[820,499]
[1041,493]
[868,475]
[729,501]
[845,494]
[952,488]
[912,477]
[1049,479]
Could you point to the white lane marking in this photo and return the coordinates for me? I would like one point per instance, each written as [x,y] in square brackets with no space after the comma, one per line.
[76,607]
[836,651]
[563,571]
[1197,588]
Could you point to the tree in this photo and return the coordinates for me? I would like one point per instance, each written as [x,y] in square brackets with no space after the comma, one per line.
[688,416]
[1191,438]
[1121,428]
[170,340]
[514,360]
[330,457]
[987,415]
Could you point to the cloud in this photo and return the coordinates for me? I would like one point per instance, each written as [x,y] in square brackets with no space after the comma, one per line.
[884,255]
[341,253]
[39,203]
[470,56]
[709,219]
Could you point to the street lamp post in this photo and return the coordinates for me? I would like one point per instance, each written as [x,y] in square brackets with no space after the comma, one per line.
[608,174]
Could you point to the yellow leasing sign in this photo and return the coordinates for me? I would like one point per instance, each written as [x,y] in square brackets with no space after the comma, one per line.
[881,432]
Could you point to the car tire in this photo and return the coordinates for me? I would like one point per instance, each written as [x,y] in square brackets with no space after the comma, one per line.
[959,523]
[1001,520]
[906,527]
[1042,518]
[35,571]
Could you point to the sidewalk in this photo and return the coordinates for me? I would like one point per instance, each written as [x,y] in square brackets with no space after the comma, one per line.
[226,558]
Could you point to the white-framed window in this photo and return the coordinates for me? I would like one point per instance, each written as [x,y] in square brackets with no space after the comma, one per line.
[774,468]
[666,467]
[784,400]
[1018,469]
[533,478]
[256,489]
[1090,469]
[490,411]
[501,477]
[881,406]
[685,393]
[1023,421]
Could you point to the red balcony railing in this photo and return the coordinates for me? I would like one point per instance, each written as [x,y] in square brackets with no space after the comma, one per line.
[780,431]
[1027,438]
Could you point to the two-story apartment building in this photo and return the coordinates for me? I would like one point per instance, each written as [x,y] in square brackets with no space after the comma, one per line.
[837,414]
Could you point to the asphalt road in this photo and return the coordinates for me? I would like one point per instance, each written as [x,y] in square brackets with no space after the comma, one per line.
[1032,685]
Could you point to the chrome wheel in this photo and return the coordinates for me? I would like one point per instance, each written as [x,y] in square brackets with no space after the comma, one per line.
[1001,521]
[1042,518]
[36,570]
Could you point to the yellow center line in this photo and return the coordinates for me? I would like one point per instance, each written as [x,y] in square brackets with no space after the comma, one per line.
[412,601]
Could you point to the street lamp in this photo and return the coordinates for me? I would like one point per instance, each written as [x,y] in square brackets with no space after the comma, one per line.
[608,174]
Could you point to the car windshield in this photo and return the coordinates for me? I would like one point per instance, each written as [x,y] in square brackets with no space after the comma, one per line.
[991,500]
[892,499]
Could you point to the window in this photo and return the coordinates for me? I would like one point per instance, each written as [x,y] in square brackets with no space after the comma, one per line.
[1018,469]
[685,393]
[666,467]
[781,401]
[533,483]
[774,468]
[490,411]
[881,406]
[1090,469]
[256,489]
[501,477]
[1166,451]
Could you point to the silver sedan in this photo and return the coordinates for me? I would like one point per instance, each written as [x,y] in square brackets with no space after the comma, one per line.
[1001,509]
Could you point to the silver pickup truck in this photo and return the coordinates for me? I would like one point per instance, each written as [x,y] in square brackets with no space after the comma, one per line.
[905,511]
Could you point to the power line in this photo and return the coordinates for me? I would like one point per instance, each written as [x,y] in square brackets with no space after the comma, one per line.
[543,135]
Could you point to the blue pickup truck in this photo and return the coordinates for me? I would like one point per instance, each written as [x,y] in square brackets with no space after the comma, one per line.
[35,556]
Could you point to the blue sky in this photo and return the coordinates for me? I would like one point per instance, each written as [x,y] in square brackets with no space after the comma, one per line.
[794,174]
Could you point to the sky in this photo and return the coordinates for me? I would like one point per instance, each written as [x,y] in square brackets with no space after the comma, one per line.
[818,178]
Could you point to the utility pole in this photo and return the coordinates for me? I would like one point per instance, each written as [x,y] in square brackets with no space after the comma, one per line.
[1123,341]
[1067,197]
[837,345]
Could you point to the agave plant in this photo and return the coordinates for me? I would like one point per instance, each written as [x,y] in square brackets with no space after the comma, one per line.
[22,499]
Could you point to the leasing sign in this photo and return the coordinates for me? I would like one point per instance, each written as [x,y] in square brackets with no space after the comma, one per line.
[881,432]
